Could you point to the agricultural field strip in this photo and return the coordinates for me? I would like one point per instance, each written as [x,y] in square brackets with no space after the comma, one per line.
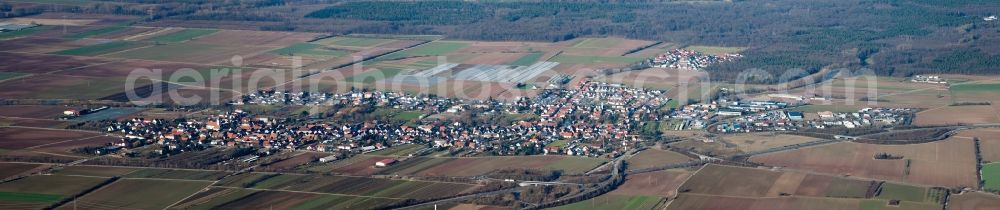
[71,140]
[109,184]
[186,197]
[308,192]
[356,176]
[853,177]
[51,129]
[74,68]
[123,51]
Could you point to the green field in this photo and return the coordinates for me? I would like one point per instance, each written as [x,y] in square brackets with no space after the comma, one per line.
[168,52]
[527,59]
[23,32]
[42,190]
[95,32]
[309,49]
[891,191]
[101,49]
[597,43]
[847,188]
[991,176]
[10,75]
[586,59]
[611,201]
[183,35]
[714,50]
[29,197]
[976,87]
[429,49]
[374,75]
[353,41]
[408,115]
[559,143]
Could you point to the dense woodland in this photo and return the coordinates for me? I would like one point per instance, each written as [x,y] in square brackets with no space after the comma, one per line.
[892,37]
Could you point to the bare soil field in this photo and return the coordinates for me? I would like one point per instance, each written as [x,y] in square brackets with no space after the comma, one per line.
[194,95]
[52,86]
[66,148]
[37,123]
[654,157]
[989,142]
[41,44]
[38,63]
[958,114]
[733,181]
[34,111]
[973,201]
[737,181]
[125,67]
[474,166]
[12,169]
[763,141]
[20,138]
[659,183]
[948,162]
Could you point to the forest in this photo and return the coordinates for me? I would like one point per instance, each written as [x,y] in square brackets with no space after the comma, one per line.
[892,37]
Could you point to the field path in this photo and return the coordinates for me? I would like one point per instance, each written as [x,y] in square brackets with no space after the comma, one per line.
[192,194]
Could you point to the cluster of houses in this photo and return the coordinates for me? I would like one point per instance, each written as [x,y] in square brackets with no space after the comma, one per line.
[352,98]
[690,60]
[779,120]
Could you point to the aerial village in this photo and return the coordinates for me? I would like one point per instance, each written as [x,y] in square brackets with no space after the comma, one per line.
[576,121]
[691,60]
[580,118]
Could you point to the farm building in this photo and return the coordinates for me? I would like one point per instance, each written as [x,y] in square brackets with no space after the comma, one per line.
[795,115]
[385,162]
[327,158]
